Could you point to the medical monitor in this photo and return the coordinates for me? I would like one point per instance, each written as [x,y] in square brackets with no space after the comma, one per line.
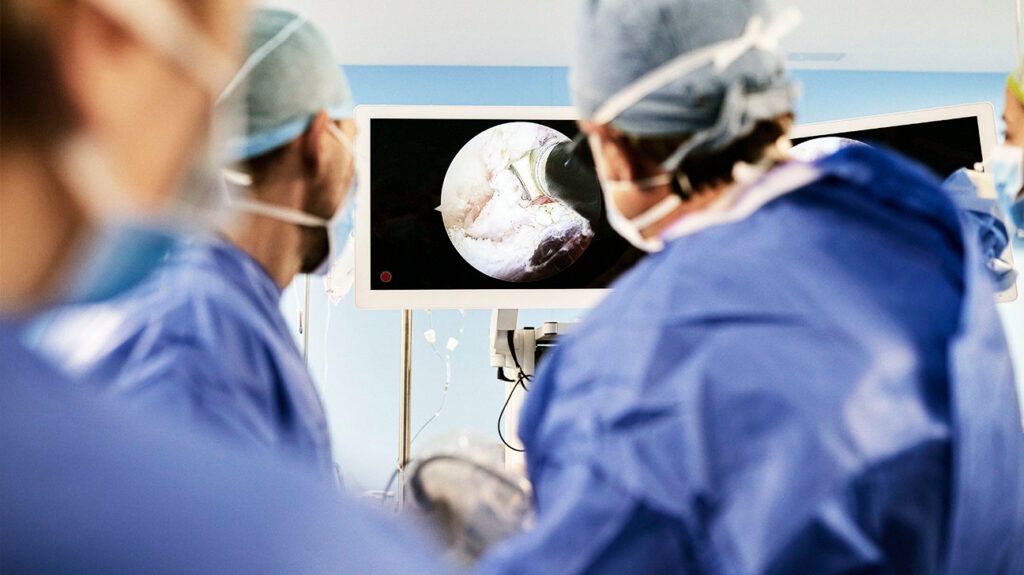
[456,211]
[455,208]
[943,139]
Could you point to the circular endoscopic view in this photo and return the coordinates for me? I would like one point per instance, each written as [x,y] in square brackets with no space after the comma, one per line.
[497,209]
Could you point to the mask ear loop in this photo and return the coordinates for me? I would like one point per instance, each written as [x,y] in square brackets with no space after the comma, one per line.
[278,213]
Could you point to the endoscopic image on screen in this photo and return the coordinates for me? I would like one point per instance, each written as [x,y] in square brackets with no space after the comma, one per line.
[486,204]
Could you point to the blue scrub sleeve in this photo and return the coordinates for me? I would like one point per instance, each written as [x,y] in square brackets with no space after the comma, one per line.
[590,526]
[179,378]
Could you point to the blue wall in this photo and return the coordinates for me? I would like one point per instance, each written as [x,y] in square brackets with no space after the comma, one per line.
[361,388]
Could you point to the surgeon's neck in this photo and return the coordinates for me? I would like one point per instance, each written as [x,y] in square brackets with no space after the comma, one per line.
[275,245]
[38,227]
[697,203]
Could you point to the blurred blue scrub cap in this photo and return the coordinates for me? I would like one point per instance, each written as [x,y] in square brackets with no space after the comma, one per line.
[288,76]
[707,68]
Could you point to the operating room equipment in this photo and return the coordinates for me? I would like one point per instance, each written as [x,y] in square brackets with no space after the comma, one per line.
[460,488]
[405,256]
[944,140]
[450,345]
[516,353]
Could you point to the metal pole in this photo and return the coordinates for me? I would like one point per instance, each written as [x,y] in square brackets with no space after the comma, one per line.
[405,406]
[304,323]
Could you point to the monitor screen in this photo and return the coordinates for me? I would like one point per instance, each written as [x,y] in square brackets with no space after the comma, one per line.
[945,146]
[482,207]
[464,204]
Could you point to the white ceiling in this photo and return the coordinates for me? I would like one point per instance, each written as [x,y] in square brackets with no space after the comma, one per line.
[899,35]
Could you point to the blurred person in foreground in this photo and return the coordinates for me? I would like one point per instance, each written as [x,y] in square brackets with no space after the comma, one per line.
[104,103]
[204,337]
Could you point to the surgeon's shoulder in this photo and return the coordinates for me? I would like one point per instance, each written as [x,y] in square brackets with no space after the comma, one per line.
[871,165]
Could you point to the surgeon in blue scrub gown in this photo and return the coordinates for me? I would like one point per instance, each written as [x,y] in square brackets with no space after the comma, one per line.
[807,374]
[204,338]
[90,205]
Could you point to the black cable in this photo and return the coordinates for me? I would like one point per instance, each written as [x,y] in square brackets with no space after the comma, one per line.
[501,415]
[521,376]
[510,335]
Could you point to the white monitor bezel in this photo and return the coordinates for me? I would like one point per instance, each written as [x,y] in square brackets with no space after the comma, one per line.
[367,298]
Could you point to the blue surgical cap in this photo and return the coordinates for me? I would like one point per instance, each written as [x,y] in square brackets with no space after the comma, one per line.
[620,41]
[288,76]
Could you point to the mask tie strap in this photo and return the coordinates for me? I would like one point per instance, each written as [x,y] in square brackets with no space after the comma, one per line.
[657,212]
[277,212]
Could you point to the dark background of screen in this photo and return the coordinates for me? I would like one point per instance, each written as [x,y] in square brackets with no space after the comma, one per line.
[944,146]
[409,159]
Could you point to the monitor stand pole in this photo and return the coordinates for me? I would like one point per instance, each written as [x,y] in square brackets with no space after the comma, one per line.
[405,405]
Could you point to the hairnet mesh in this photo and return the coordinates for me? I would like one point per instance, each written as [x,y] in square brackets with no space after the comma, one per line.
[619,41]
[289,75]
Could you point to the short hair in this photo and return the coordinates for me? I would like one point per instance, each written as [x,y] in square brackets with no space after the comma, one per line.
[707,169]
[258,167]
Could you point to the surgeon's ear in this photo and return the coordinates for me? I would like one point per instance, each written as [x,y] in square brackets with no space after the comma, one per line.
[315,145]
[612,155]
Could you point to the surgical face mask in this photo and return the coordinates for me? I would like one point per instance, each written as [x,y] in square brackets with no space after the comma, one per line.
[631,228]
[743,174]
[126,242]
[1007,169]
[339,227]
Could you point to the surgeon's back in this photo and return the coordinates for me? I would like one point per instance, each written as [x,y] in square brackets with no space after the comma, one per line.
[822,387]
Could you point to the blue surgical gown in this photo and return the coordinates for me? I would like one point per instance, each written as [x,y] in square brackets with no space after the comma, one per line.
[203,338]
[86,487]
[821,387]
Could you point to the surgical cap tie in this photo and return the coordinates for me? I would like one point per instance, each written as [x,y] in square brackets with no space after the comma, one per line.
[260,53]
[734,120]
[288,76]
[721,55]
